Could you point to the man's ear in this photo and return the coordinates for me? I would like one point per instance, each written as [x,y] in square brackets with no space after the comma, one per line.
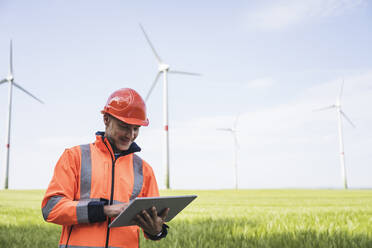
[106,119]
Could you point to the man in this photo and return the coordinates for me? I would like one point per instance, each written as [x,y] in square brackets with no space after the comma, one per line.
[93,183]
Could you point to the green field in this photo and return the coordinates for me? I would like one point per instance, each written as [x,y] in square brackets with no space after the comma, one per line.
[226,218]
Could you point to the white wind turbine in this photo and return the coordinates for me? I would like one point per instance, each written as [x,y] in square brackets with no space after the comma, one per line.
[233,132]
[10,80]
[165,69]
[340,114]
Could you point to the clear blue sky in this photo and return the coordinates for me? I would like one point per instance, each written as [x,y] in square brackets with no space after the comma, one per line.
[272,61]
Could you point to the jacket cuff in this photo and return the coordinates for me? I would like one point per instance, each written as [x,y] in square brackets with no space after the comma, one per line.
[95,211]
[161,235]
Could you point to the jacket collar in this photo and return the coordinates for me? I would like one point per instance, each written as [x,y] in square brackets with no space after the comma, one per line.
[103,144]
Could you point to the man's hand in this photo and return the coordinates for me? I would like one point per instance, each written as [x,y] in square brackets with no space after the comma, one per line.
[114,210]
[151,222]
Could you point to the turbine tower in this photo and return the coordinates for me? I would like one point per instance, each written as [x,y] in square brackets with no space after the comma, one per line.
[340,114]
[10,80]
[165,69]
[233,132]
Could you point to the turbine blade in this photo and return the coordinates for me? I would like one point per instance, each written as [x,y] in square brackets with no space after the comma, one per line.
[11,58]
[325,108]
[340,93]
[152,47]
[185,73]
[347,118]
[225,129]
[28,93]
[3,81]
[152,86]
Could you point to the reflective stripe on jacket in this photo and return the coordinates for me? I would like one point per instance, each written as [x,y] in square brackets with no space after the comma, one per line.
[84,177]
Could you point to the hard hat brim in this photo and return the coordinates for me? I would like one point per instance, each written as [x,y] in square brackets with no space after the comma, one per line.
[132,121]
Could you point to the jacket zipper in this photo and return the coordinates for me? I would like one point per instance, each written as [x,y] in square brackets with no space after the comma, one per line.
[112,193]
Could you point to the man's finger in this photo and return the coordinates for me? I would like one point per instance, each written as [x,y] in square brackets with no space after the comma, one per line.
[164,214]
[154,212]
[147,217]
[140,221]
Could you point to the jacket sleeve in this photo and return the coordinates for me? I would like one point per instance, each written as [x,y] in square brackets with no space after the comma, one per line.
[59,205]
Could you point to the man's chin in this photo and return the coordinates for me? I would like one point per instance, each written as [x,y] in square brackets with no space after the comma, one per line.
[123,147]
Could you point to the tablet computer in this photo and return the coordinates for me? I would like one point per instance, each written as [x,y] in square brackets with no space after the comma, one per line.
[175,204]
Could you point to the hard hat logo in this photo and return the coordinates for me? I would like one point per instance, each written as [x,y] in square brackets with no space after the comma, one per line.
[128,106]
[120,103]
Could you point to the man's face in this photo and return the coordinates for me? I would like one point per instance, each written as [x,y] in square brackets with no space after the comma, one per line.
[119,133]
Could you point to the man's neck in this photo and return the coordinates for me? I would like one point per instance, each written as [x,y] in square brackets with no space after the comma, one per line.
[133,147]
[114,148]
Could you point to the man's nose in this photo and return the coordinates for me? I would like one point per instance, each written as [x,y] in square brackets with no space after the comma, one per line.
[130,133]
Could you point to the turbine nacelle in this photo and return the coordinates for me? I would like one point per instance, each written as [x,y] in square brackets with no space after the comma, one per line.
[10,78]
[233,130]
[163,67]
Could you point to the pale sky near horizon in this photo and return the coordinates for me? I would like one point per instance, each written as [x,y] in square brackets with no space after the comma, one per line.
[273,62]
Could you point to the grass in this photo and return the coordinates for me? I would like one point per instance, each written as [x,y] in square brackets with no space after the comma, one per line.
[224,218]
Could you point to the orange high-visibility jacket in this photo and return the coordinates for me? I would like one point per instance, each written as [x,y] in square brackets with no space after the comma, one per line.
[84,177]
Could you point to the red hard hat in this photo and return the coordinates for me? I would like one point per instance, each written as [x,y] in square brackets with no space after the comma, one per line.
[128,106]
